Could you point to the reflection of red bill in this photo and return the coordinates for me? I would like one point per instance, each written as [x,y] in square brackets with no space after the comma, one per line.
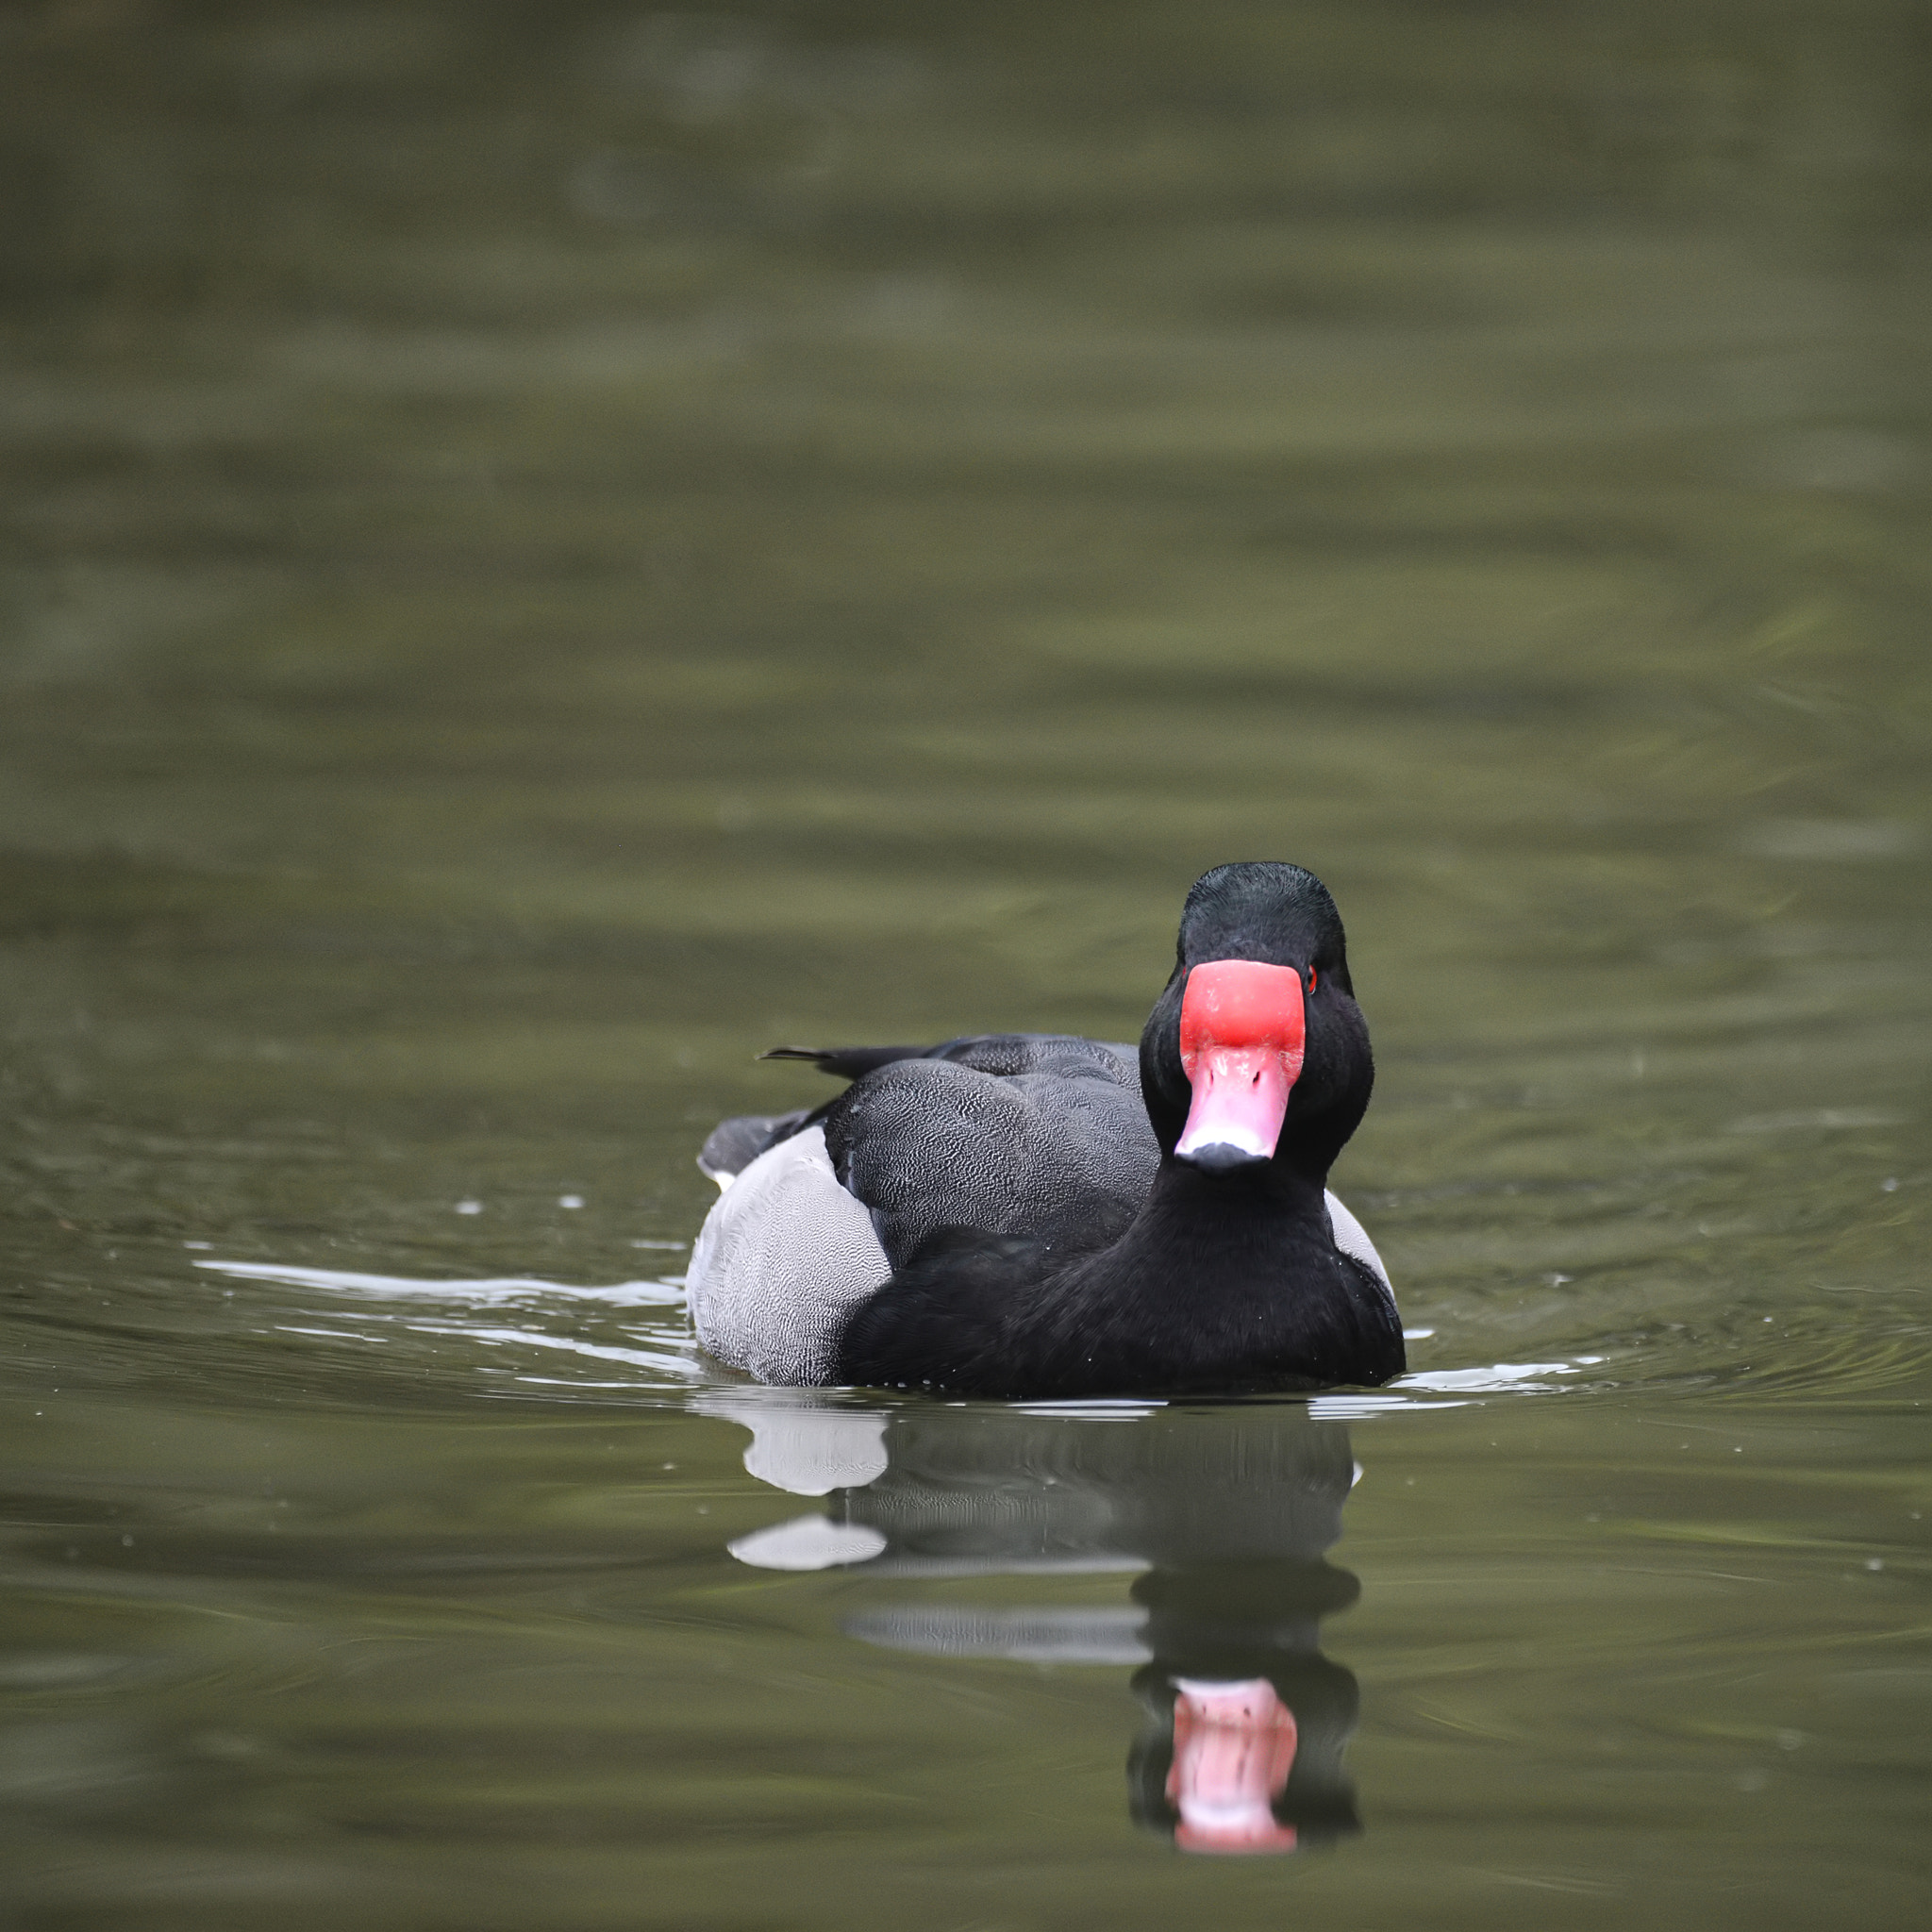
[1234,1746]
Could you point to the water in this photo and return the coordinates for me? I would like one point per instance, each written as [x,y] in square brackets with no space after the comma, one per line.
[549,549]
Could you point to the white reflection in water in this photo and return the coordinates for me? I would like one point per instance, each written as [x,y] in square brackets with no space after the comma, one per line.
[489,1289]
[801,1442]
[447,1310]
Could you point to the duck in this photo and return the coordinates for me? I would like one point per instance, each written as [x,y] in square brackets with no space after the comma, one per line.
[1041,1216]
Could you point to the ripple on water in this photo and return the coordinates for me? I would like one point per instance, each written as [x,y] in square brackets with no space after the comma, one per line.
[567,1337]
[522,1331]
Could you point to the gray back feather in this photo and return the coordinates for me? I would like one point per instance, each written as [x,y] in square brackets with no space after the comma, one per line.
[1036,1136]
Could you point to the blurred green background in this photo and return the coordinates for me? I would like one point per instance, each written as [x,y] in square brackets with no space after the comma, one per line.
[545,549]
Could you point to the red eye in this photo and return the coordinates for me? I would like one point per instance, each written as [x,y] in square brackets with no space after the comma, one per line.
[1311,979]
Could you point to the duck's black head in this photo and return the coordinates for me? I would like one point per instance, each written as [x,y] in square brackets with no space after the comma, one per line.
[1256,1057]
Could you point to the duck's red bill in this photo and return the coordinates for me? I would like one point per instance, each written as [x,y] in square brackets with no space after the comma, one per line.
[1234,1745]
[1243,1032]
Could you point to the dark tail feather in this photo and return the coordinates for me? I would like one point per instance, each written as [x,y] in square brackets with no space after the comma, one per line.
[734,1145]
[847,1062]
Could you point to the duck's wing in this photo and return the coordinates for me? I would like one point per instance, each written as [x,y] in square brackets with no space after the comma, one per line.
[1039,1136]
[732,1145]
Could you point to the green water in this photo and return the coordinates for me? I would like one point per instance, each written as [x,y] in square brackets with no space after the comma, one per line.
[543,550]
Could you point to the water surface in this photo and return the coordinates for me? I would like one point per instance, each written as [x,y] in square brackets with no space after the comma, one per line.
[549,549]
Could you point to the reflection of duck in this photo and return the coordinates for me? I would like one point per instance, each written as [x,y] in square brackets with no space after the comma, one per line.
[1220,1516]
[1022,1214]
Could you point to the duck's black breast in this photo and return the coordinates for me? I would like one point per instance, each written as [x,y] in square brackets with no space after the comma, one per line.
[1241,1298]
[1031,1137]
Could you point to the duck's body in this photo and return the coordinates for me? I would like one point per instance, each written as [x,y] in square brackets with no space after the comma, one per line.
[1032,1215]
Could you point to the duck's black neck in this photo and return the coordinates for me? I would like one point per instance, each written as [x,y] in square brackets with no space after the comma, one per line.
[1223,1281]
[1282,1190]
